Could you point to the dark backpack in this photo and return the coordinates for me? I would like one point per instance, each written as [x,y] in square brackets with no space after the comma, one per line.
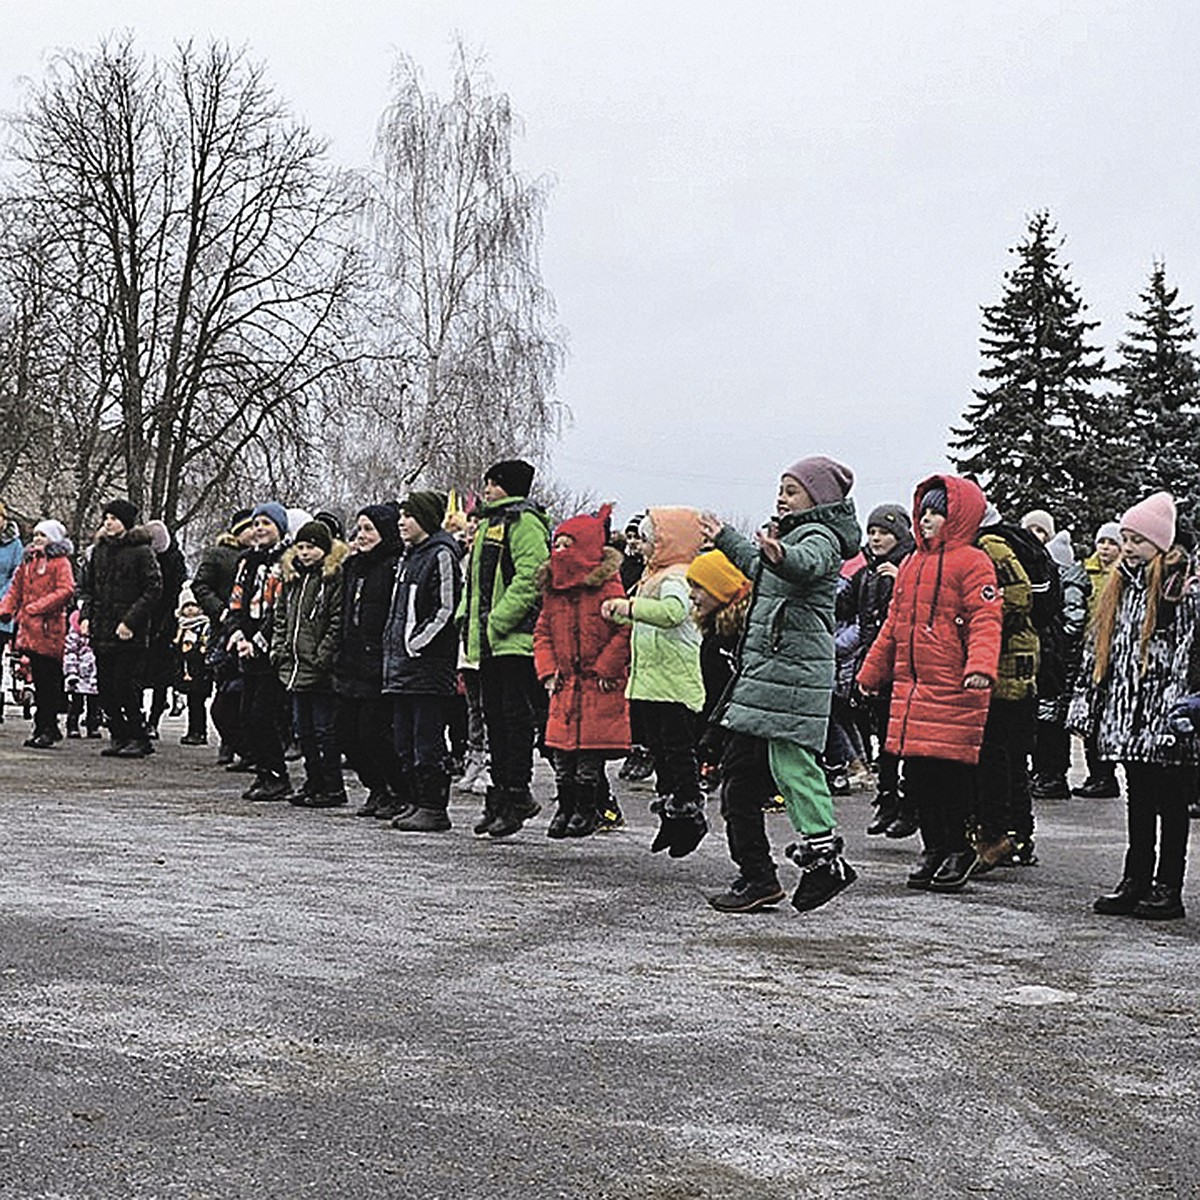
[1047,615]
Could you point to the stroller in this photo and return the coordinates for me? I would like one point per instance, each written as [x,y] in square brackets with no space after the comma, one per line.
[20,679]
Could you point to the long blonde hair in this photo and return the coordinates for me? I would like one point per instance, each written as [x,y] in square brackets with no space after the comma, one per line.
[1104,623]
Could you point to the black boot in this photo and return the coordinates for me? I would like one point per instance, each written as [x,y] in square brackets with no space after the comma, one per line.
[564,812]
[1123,899]
[887,808]
[1161,903]
[517,805]
[824,873]
[586,817]
[399,803]
[491,810]
[922,874]
[905,824]
[431,798]
[375,797]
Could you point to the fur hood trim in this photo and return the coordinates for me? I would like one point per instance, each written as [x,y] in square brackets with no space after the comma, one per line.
[329,568]
[139,535]
[610,565]
[61,549]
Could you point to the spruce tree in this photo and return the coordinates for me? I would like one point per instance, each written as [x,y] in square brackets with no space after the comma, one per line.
[1037,434]
[1159,378]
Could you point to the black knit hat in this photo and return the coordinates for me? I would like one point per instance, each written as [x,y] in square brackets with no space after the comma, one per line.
[428,509]
[386,519]
[316,533]
[123,510]
[514,475]
[240,519]
[332,522]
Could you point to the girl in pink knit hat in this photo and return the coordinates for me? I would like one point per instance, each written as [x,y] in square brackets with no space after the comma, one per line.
[1141,661]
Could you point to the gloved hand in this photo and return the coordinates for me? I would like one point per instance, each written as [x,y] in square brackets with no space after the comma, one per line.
[1184,716]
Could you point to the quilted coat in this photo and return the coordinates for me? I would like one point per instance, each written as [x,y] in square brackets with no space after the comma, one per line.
[572,639]
[40,599]
[306,621]
[784,683]
[120,583]
[943,625]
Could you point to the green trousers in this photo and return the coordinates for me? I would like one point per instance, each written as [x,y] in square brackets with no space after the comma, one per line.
[801,782]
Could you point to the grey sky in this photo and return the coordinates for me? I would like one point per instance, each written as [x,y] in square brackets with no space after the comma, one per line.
[773,223]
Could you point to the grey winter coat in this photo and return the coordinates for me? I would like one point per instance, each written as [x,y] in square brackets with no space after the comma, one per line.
[420,645]
[784,682]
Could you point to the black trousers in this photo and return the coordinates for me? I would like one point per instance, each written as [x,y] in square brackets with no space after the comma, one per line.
[943,792]
[1157,809]
[119,674]
[582,768]
[746,782]
[48,695]
[419,731]
[513,712]
[879,707]
[1051,751]
[1003,804]
[266,716]
[364,734]
[670,730]
[1099,770]
[226,713]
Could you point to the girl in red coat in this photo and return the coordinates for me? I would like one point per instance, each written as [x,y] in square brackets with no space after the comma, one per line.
[939,648]
[583,662]
[39,600]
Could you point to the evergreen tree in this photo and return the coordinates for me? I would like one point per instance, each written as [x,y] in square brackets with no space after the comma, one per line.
[1159,376]
[1037,434]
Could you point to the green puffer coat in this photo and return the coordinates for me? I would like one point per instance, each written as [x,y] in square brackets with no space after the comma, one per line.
[307,621]
[784,682]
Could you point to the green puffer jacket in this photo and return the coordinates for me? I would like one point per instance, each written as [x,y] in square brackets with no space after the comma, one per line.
[784,682]
[499,605]
[307,621]
[665,645]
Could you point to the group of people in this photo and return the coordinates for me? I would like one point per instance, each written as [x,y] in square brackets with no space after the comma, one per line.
[955,651]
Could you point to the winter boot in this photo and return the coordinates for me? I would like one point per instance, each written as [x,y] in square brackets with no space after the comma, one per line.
[905,824]
[586,817]
[920,877]
[887,809]
[375,797]
[270,786]
[824,872]
[431,797]
[1161,903]
[1123,899]
[564,812]
[398,803]
[491,810]
[517,806]
[747,895]
[954,872]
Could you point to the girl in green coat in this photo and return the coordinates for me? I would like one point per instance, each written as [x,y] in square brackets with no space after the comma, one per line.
[784,683]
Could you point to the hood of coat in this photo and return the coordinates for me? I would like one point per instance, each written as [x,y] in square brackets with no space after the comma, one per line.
[62,548]
[610,565]
[329,564]
[677,537]
[840,518]
[965,506]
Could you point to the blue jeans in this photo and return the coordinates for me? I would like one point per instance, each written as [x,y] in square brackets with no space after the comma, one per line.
[315,715]
[419,731]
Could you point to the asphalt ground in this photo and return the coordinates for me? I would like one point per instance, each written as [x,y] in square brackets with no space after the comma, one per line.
[208,997]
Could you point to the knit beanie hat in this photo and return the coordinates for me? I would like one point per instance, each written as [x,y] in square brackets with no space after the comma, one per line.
[824,480]
[160,537]
[1039,518]
[571,565]
[186,597]
[634,524]
[1110,531]
[274,512]
[54,531]
[513,475]
[891,518]
[332,522]
[935,500]
[386,519]
[315,533]
[1154,519]
[428,509]
[123,510]
[1060,549]
[240,519]
[713,572]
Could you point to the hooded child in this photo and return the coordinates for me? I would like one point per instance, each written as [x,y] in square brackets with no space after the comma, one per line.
[582,660]
[939,650]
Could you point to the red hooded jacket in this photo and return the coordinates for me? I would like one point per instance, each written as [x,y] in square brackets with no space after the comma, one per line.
[943,625]
[40,599]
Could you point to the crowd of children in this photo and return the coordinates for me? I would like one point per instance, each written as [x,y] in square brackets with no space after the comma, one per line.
[955,651]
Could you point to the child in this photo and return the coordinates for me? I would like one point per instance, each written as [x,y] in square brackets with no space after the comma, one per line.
[784,682]
[889,543]
[939,649]
[582,661]
[664,672]
[192,675]
[1141,661]
[79,672]
[720,601]
[306,623]
[420,660]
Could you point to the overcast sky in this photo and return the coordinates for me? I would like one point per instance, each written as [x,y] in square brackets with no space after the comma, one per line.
[772,223]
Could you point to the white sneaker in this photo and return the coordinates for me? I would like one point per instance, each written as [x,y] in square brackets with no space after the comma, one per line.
[482,781]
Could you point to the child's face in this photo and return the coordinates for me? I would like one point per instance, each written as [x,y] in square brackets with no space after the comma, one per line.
[703,602]
[792,496]
[111,526]
[263,532]
[190,610]
[1135,549]
[931,524]
[367,537]
[411,530]
[633,543]
[493,492]
[563,541]
[1039,533]
[309,554]
[881,541]
[40,541]
[1108,551]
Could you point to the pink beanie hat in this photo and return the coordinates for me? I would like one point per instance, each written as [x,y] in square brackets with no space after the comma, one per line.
[824,480]
[1154,519]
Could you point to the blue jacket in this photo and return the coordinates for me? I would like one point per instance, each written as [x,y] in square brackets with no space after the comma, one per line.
[11,550]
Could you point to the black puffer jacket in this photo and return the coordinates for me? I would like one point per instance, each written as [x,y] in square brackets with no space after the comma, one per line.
[214,577]
[120,583]
[366,601]
[420,645]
